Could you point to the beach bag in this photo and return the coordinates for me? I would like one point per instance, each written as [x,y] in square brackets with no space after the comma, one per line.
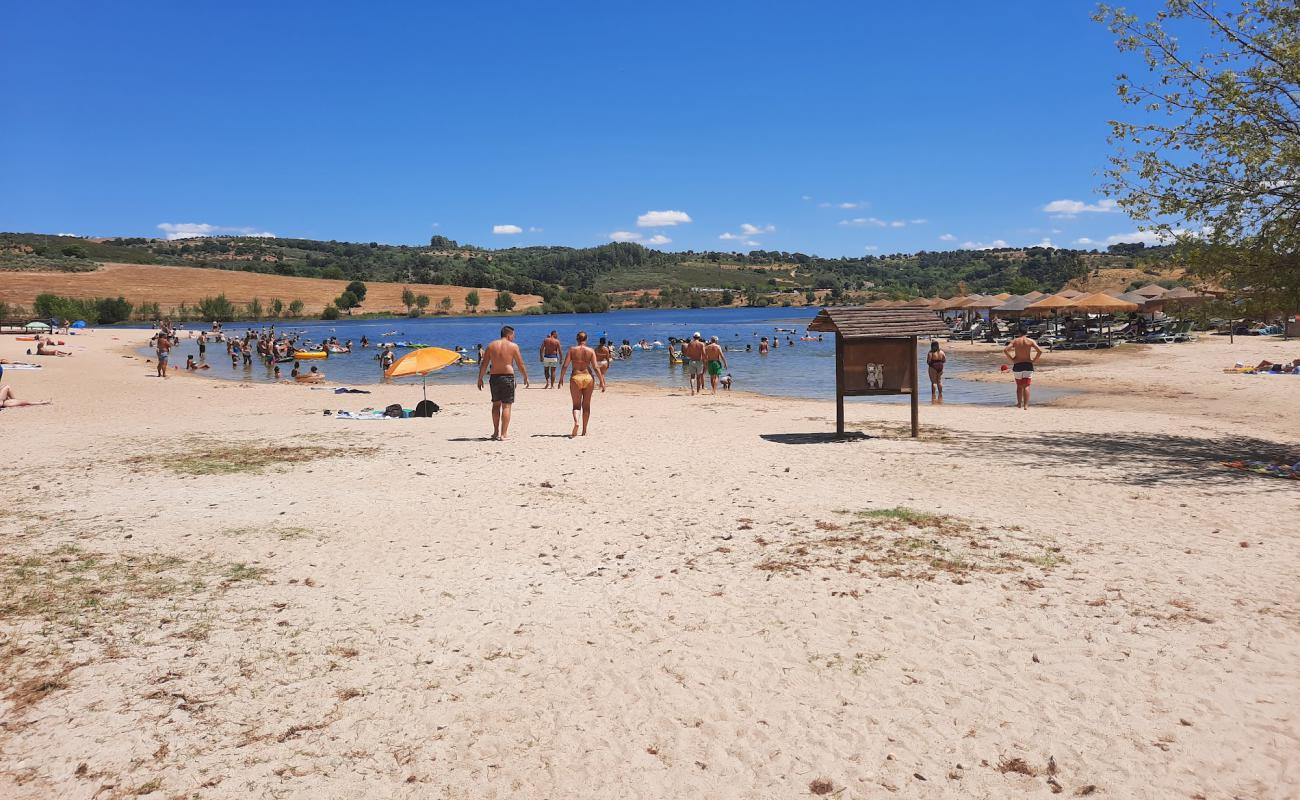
[426,408]
[395,410]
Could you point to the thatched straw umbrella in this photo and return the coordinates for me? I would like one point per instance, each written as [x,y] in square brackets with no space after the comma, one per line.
[1050,306]
[1013,307]
[1151,290]
[1071,293]
[1102,303]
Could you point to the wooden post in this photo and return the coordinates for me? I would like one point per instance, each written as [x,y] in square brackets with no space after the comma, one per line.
[916,408]
[839,384]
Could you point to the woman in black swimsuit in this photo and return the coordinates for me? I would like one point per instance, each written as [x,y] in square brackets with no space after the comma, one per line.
[934,362]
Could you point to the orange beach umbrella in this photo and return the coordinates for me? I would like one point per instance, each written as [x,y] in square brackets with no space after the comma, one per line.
[421,362]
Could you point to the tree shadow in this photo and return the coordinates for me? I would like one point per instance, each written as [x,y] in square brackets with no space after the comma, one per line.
[815,438]
[1140,459]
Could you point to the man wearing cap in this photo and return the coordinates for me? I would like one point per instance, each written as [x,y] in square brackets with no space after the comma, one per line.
[694,353]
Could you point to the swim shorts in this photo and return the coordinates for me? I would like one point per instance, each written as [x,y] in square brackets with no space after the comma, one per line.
[715,367]
[503,388]
[550,361]
[163,355]
[1023,372]
[695,367]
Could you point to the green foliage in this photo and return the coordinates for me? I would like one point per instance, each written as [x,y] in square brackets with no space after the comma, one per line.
[277,307]
[101,311]
[358,289]
[444,305]
[216,309]
[74,251]
[472,301]
[295,308]
[330,313]
[255,309]
[408,298]
[1211,157]
[422,301]
[332,272]
[505,301]
[347,301]
[110,311]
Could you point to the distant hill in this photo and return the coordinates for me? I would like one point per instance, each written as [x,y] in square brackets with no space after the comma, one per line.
[582,278]
[174,288]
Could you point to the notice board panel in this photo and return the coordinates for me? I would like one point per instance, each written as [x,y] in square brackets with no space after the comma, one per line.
[879,366]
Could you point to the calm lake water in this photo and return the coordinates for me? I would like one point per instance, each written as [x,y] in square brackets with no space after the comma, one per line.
[804,369]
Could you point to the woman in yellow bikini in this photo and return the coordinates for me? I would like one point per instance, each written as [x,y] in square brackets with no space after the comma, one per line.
[582,360]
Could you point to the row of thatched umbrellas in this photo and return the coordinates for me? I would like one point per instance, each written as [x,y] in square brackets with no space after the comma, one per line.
[1147,299]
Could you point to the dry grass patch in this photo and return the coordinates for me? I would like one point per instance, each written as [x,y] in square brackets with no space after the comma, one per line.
[910,544]
[62,584]
[223,458]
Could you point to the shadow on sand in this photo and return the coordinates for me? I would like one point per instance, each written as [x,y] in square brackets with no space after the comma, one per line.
[1139,459]
[815,438]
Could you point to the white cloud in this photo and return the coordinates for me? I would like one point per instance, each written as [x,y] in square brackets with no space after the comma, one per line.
[506,230]
[807,197]
[849,205]
[1068,209]
[534,229]
[658,238]
[72,235]
[993,245]
[1149,238]
[862,222]
[436,225]
[871,248]
[729,236]
[1085,241]
[662,219]
[1046,242]
[750,242]
[189,230]
[947,237]
[919,221]
[624,236]
[755,230]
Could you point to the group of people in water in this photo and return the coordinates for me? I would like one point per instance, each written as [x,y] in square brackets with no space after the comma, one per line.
[267,346]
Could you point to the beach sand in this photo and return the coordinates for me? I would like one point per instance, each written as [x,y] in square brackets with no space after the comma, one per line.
[210,589]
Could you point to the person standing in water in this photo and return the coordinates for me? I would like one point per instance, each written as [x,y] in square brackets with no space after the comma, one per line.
[693,352]
[603,356]
[502,356]
[585,375]
[934,363]
[715,360]
[163,343]
[550,354]
[1023,352]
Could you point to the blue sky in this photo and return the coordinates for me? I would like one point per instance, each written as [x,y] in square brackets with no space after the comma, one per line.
[837,128]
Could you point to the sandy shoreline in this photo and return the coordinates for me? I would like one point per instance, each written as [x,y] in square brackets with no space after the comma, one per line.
[696,600]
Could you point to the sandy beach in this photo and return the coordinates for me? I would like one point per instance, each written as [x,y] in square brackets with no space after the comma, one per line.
[211,589]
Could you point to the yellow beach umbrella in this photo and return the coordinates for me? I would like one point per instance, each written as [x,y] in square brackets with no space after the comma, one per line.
[421,362]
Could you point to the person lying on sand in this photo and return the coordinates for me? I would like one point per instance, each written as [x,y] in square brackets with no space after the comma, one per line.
[46,348]
[8,400]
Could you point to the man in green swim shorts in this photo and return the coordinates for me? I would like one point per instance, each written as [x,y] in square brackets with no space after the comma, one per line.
[716,360]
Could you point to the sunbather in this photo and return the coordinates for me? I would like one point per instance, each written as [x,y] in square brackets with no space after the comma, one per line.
[7,399]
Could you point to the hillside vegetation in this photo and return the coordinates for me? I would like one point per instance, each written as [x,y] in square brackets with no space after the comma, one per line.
[568,279]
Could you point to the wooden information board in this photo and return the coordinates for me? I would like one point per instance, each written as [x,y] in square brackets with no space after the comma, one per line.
[875,366]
